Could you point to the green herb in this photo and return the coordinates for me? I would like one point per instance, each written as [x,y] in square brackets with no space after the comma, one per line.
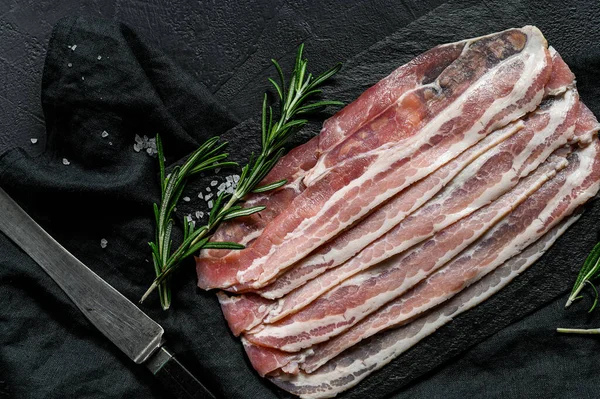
[276,130]
[589,272]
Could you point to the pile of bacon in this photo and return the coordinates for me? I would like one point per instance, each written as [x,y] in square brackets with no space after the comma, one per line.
[419,200]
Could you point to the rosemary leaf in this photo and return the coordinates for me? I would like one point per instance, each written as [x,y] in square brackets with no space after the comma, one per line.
[270,187]
[223,245]
[243,212]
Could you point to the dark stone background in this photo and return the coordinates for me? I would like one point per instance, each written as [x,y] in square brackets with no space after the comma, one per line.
[227,45]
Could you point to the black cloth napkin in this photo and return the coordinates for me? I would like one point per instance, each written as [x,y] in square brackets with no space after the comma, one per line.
[88,185]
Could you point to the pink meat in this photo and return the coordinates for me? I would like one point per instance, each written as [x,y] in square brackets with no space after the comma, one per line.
[357,297]
[342,196]
[244,311]
[561,76]
[266,360]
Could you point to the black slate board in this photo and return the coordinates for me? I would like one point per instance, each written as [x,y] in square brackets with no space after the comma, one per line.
[198,333]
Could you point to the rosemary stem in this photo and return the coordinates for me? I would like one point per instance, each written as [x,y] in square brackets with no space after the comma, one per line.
[574,295]
[149,291]
[578,330]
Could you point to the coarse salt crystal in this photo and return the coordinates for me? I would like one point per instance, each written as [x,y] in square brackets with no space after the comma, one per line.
[70,65]
[73,47]
[186,199]
[229,179]
[200,196]
[208,189]
[33,141]
[189,218]
[110,143]
[210,204]
[103,243]
[217,170]
[236,178]
[136,147]
[207,197]
[66,161]
[198,215]
[104,133]
[201,215]
[83,78]
[213,183]
[99,57]
[138,139]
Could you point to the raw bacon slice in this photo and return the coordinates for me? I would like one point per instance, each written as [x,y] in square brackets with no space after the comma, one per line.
[357,297]
[473,106]
[491,175]
[358,362]
[293,166]
[561,77]
[571,188]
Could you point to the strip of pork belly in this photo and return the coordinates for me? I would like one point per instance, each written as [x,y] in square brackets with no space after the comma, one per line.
[508,90]
[561,76]
[533,218]
[345,305]
[484,180]
[353,365]
[294,165]
[266,360]
[587,126]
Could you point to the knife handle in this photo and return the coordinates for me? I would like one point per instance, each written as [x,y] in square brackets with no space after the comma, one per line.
[175,377]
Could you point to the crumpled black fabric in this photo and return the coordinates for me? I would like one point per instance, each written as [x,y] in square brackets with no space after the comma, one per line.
[111,82]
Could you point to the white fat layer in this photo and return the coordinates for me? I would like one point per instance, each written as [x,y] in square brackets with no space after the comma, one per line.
[534,58]
[496,211]
[395,342]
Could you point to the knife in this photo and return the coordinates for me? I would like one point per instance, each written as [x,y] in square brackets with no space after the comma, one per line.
[122,322]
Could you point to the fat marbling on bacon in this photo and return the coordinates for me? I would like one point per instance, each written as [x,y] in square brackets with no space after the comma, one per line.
[416,202]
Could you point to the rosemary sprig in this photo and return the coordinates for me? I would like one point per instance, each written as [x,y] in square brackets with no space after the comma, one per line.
[209,156]
[589,272]
[275,131]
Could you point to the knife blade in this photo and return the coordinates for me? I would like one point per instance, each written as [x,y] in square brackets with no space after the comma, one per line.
[115,316]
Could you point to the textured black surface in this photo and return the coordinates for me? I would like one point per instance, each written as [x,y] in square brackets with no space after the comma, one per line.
[48,350]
